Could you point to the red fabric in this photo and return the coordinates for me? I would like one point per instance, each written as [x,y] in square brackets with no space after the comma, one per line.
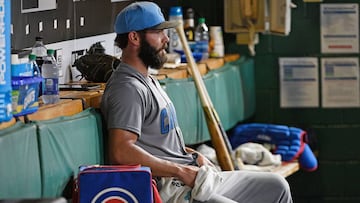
[157,198]
[75,194]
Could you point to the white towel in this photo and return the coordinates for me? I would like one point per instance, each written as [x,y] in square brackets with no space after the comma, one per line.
[255,157]
[206,182]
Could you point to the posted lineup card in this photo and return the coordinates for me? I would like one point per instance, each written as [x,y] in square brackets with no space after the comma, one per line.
[299,83]
[339,28]
[340,82]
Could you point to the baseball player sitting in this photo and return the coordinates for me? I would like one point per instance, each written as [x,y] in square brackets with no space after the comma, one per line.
[143,129]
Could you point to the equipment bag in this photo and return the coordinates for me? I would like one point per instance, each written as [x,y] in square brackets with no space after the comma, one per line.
[120,183]
[290,142]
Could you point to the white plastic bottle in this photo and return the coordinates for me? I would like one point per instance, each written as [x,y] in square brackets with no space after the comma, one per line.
[202,39]
[39,50]
[50,74]
[216,43]
[174,40]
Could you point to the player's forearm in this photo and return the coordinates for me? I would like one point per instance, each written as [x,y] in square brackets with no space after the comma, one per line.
[123,150]
[132,154]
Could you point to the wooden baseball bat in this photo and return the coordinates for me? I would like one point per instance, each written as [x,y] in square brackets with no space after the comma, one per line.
[218,136]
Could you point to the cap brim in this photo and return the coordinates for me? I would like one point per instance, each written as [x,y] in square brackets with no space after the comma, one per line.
[165,25]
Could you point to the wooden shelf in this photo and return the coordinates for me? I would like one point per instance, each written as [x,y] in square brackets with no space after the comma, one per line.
[7,124]
[66,107]
[286,169]
[89,98]
[204,67]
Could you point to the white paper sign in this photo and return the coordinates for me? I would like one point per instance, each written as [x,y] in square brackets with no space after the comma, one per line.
[340,82]
[299,82]
[339,28]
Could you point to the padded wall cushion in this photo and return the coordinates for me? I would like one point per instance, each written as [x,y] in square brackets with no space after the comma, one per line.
[20,166]
[225,88]
[184,96]
[247,75]
[65,144]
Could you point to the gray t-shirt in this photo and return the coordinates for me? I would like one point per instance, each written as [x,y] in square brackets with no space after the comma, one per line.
[138,104]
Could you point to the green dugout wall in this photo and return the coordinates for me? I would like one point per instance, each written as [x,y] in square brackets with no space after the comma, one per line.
[335,132]
[228,88]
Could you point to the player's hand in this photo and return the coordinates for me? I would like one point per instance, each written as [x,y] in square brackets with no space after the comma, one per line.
[188,175]
[202,160]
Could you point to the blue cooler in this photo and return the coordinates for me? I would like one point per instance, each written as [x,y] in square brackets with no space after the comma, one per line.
[25,94]
[5,70]
[131,184]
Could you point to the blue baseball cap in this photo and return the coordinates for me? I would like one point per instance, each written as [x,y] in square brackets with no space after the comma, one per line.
[140,16]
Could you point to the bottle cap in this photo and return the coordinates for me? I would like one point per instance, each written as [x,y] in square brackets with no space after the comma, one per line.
[50,51]
[201,20]
[176,11]
[32,56]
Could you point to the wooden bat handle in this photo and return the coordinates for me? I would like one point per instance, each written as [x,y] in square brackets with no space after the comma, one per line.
[217,139]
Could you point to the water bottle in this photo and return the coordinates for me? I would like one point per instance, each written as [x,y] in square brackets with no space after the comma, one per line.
[50,74]
[174,40]
[39,50]
[36,72]
[35,67]
[202,38]
[189,28]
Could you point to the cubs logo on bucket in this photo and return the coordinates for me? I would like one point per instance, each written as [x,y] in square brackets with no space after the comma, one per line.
[115,195]
[115,184]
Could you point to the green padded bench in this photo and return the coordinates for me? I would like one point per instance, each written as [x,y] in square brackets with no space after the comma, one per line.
[65,143]
[20,165]
[247,74]
[226,92]
[232,92]
[186,102]
[48,153]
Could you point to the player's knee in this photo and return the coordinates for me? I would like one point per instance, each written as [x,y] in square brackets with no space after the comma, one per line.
[278,181]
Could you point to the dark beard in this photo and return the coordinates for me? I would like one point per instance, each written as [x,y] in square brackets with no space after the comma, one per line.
[150,56]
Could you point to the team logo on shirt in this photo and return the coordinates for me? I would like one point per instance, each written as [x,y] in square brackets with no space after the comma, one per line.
[114,195]
[168,119]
